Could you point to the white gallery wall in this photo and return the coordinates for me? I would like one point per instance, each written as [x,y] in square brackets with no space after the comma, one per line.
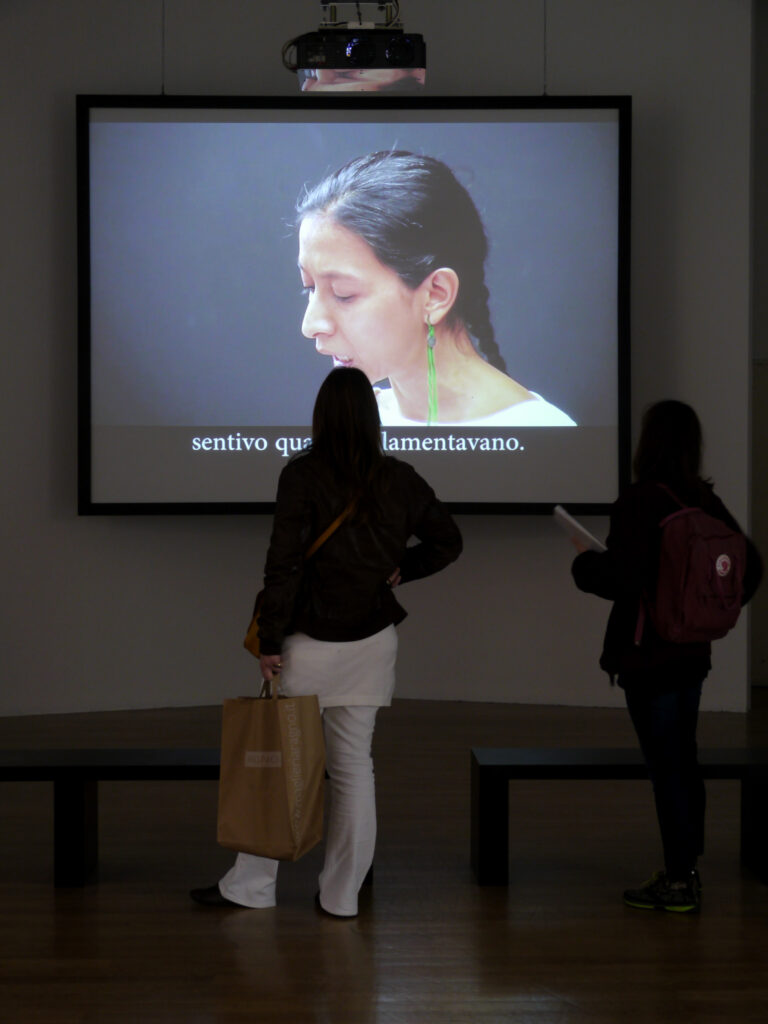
[129,612]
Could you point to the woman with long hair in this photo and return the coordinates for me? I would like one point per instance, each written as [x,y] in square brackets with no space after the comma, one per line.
[662,679]
[392,255]
[327,623]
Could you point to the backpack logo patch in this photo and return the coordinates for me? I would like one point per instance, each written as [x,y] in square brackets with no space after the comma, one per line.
[723,565]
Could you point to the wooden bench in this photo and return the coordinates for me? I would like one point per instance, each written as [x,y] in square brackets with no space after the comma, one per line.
[75,775]
[492,769]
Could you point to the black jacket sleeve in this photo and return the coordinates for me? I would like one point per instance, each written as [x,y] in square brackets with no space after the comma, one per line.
[438,537]
[622,570]
[753,573]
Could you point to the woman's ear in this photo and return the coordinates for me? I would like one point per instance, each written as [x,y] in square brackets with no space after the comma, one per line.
[440,290]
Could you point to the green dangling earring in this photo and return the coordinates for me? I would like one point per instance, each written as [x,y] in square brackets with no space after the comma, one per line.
[431,375]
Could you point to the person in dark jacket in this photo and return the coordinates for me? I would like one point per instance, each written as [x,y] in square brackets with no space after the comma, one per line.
[662,680]
[327,623]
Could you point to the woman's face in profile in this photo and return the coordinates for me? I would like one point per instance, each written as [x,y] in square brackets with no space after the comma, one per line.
[359,312]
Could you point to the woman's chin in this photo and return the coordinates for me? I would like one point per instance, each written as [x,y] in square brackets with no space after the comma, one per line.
[346,363]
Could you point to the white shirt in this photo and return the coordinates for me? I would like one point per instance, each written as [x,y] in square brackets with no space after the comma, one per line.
[532,412]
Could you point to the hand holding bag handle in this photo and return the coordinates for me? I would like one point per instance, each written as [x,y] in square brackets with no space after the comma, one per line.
[252,641]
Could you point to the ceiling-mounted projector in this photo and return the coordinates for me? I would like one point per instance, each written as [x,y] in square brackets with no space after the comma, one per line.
[353,55]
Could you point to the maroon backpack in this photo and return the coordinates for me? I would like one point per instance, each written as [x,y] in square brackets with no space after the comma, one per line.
[700,580]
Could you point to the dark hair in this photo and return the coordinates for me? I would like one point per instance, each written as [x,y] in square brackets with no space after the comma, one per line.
[669,449]
[416,217]
[346,430]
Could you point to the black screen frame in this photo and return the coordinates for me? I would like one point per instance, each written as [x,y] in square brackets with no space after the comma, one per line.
[87,103]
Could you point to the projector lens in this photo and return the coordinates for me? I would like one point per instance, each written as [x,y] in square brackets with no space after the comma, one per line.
[360,52]
[399,51]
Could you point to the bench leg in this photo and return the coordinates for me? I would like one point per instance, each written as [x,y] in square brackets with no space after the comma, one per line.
[754,826]
[75,831]
[490,826]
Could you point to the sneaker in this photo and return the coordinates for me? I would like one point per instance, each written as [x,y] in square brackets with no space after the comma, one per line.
[658,893]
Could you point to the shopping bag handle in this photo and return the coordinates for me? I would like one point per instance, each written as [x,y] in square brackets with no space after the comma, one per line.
[269,687]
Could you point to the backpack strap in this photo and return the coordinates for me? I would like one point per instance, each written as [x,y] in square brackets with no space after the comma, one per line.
[672,494]
[641,613]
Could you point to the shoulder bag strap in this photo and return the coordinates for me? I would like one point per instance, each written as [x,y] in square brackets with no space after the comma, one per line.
[330,530]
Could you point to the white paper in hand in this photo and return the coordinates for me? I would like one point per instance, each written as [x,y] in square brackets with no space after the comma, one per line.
[573,528]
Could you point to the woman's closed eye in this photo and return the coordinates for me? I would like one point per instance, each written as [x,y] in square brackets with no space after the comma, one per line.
[309,290]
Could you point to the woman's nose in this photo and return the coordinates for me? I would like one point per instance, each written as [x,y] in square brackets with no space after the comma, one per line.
[316,321]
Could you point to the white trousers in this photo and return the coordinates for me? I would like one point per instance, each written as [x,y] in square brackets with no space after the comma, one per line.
[350,824]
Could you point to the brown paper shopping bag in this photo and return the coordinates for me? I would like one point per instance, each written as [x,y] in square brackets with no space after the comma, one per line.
[272,776]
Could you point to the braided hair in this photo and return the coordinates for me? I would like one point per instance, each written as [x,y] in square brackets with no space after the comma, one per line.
[417,217]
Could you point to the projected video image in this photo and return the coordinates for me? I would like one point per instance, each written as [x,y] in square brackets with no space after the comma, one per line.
[466,260]
[361,79]
[392,257]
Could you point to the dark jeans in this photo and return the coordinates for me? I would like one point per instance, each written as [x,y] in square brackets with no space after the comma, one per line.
[666,727]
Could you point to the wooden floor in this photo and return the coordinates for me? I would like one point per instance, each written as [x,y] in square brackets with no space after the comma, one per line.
[557,947]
